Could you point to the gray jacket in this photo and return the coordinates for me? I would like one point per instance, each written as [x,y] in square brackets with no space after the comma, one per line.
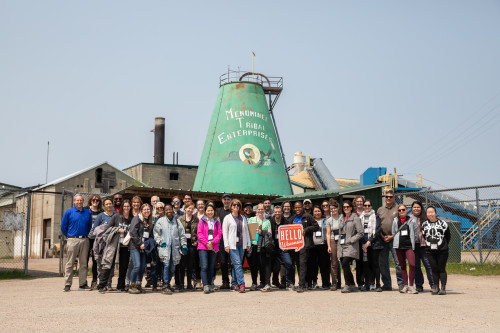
[352,231]
[171,233]
[413,226]
[111,236]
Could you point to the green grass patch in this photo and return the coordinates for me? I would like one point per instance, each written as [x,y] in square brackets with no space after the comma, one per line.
[7,275]
[474,269]
[7,257]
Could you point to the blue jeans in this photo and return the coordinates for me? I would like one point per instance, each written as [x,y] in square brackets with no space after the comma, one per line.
[290,271]
[237,272]
[139,260]
[207,263]
[384,265]
[168,270]
[421,255]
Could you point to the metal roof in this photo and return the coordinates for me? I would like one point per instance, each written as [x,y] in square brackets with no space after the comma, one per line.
[327,193]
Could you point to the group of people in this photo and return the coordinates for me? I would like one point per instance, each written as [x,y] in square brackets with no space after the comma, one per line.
[182,240]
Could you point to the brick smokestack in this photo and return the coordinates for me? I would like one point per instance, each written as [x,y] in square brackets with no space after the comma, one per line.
[159,140]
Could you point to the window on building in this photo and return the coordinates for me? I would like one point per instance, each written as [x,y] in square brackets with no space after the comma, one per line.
[174,176]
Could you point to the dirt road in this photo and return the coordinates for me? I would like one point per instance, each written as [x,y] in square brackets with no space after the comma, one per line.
[39,304]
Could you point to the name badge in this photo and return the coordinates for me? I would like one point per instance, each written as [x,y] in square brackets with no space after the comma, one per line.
[237,239]
[404,232]
[188,236]
[145,234]
[366,230]
[210,237]
[342,240]
[434,246]
[278,235]
[318,233]
[336,237]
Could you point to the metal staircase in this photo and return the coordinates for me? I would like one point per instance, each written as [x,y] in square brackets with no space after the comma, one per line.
[486,222]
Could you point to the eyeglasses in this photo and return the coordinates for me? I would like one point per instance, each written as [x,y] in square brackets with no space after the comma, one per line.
[96,200]
[367,205]
[389,196]
[159,208]
[324,205]
[346,207]
[175,202]
[402,210]
[235,205]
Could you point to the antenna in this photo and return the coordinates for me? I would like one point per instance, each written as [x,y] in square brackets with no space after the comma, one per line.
[253,55]
[47,168]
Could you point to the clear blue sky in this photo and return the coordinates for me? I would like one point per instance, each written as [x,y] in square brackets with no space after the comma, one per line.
[412,85]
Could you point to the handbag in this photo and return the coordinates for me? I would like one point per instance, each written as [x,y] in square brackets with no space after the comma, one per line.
[126,240]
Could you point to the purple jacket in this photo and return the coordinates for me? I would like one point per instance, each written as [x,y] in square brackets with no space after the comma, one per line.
[203,234]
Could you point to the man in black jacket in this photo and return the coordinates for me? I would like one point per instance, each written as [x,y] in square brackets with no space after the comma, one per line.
[300,258]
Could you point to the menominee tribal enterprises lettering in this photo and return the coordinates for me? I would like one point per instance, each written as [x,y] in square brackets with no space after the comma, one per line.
[244,113]
[223,137]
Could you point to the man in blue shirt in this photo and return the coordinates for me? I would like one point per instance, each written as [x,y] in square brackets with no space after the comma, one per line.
[75,225]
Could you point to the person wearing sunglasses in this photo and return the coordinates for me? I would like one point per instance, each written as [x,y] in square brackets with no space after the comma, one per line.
[95,206]
[371,247]
[418,211]
[176,205]
[190,223]
[405,230]
[333,224]
[387,214]
[351,232]
[360,279]
[236,240]
[325,209]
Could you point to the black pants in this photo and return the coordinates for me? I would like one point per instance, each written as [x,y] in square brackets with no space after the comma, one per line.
[371,269]
[346,267]
[152,263]
[276,268]
[438,260]
[94,262]
[123,266]
[253,259]
[318,258]
[265,268]
[360,280]
[187,263]
[105,273]
[299,259]
[224,261]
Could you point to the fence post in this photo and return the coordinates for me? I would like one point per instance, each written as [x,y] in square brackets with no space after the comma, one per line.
[28,226]
[479,227]
[426,197]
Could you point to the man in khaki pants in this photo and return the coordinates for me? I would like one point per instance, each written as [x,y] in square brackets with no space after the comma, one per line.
[75,225]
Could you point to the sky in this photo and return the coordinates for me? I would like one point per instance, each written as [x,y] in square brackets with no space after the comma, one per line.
[411,85]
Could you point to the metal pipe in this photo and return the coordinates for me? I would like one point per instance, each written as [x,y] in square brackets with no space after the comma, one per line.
[479,228]
[28,227]
[159,147]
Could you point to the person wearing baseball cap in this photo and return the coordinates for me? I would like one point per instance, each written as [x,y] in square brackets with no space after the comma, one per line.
[307,206]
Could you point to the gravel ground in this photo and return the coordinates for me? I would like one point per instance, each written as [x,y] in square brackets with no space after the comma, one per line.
[39,304]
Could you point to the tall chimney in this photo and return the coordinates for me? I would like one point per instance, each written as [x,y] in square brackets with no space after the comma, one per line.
[159,140]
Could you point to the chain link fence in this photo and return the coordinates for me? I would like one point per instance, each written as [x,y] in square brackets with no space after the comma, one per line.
[473,214]
[14,221]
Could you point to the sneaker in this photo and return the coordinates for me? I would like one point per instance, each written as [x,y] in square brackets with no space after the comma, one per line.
[215,288]
[225,285]
[434,291]
[190,287]
[363,288]
[333,287]
[300,289]
[101,290]
[110,289]
[84,288]
[442,291]
[206,290]
[291,287]
[237,288]
[121,290]
[346,290]
[372,287]
[93,285]
[378,290]
[420,289]
[167,291]
[253,287]
[266,288]
[315,285]
[67,288]
[386,288]
[198,285]
[260,286]
[403,289]
[242,289]
[412,290]
[354,289]
[133,289]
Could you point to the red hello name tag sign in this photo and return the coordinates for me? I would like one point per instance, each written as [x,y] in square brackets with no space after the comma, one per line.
[291,237]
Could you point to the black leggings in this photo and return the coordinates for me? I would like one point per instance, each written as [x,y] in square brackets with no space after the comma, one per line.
[371,269]
[123,266]
[346,267]
[438,260]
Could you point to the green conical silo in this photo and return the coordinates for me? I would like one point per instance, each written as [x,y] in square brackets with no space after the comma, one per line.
[242,153]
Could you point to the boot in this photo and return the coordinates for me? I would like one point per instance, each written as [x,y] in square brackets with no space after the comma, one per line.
[443,290]
[139,287]
[133,289]
[434,290]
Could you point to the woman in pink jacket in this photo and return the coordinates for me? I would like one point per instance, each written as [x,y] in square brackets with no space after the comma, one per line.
[209,234]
